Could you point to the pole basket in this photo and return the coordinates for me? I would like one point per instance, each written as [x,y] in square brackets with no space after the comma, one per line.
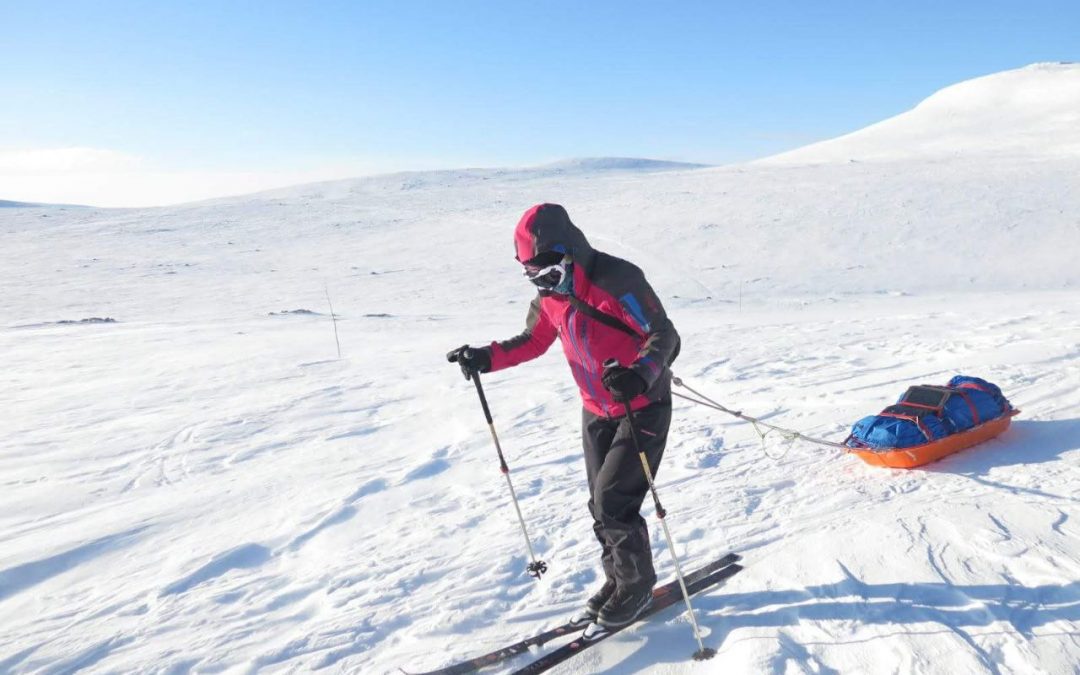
[704,654]
[537,569]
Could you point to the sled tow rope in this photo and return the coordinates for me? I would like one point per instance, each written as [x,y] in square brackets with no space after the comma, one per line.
[789,435]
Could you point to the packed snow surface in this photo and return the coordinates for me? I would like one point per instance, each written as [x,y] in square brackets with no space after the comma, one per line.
[193,480]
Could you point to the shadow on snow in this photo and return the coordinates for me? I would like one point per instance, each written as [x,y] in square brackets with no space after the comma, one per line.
[955,607]
[1027,442]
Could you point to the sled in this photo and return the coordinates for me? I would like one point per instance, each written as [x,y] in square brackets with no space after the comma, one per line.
[918,455]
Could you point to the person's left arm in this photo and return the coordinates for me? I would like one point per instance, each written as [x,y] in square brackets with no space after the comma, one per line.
[642,311]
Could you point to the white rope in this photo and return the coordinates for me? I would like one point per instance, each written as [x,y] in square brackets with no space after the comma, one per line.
[789,435]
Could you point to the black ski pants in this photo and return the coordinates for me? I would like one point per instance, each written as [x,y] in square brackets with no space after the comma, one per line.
[617,488]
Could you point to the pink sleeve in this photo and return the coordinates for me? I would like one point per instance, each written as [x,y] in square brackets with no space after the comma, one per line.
[538,335]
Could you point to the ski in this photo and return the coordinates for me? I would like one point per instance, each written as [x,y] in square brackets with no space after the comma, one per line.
[571,628]
[672,595]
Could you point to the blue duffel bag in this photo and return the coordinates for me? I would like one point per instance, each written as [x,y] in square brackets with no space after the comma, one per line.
[987,398]
[927,413]
[879,431]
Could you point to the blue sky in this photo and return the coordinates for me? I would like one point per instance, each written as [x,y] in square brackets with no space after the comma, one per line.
[294,88]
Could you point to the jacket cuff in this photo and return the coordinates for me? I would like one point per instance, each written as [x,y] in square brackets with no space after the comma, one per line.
[499,359]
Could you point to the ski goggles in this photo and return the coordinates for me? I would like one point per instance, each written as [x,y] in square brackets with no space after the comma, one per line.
[546,277]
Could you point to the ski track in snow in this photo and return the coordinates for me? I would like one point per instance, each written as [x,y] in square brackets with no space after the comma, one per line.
[202,487]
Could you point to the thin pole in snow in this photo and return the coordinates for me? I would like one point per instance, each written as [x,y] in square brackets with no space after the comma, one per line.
[536,567]
[333,317]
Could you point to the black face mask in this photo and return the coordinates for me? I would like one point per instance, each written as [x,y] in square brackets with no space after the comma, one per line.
[550,271]
[547,278]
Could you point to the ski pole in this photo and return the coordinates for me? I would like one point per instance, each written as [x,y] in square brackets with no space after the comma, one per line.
[536,568]
[703,652]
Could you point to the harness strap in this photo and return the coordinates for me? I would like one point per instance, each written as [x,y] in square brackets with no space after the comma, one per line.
[917,419]
[974,385]
[970,404]
[603,317]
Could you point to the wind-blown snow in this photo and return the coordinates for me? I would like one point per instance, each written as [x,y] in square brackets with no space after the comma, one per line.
[201,485]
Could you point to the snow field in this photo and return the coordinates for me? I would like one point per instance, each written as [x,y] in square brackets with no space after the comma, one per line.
[273,508]
[202,486]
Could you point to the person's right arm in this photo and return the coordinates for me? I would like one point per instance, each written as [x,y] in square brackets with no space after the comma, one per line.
[538,335]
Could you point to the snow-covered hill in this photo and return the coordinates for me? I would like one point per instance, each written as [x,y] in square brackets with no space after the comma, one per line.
[4,204]
[1023,113]
[194,482]
[620,164]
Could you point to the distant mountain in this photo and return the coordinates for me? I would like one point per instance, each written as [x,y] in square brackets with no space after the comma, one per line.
[6,204]
[456,178]
[1031,111]
[618,164]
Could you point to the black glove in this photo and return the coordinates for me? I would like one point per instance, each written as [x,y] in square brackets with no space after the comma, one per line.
[471,359]
[623,383]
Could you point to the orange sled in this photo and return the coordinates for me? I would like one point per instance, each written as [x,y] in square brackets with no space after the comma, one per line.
[917,455]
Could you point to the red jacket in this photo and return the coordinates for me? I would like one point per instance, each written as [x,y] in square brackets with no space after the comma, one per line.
[608,284]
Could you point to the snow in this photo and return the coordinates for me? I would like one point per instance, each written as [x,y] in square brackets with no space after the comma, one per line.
[619,164]
[1032,111]
[5,204]
[201,485]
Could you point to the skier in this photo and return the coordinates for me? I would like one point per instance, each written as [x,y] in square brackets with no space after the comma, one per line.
[600,307]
